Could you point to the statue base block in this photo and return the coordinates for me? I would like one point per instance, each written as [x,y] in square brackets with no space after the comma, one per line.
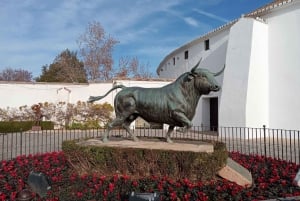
[194,160]
[236,173]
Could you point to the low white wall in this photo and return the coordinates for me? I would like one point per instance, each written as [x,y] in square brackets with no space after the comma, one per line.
[19,94]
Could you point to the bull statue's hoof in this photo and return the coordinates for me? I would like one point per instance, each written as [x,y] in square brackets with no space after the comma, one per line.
[135,139]
[169,140]
[105,140]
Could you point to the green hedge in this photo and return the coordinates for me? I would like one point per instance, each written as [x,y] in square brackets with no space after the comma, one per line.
[141,162]
[17,126]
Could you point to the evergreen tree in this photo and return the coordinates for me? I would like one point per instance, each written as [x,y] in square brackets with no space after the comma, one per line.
[66,67]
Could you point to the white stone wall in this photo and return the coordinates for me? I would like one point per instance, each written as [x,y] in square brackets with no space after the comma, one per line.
[18,94]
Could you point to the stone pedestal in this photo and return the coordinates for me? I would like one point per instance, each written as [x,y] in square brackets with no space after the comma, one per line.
[195,160]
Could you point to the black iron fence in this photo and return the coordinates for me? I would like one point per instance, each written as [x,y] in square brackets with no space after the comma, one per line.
[275,143]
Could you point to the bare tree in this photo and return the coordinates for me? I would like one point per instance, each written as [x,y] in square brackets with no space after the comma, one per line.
[132,68]
[10,74]
[96,49]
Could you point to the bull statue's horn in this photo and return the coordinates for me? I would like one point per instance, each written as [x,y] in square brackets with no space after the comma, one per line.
[220,72]
[194,68]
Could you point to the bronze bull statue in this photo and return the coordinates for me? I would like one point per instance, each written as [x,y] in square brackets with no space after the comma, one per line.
[173,104]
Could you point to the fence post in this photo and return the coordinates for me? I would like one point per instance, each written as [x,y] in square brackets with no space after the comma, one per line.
[21,141]
[265,144]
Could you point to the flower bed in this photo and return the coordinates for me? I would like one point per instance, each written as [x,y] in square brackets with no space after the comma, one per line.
[272,178]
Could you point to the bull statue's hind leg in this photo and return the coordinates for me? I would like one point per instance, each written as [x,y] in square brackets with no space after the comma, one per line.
[114,123]
[126,125]
[168,135]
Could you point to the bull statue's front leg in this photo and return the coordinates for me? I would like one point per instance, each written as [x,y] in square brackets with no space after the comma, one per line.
[105,138]
[183,121]
[182,118]
[168,135]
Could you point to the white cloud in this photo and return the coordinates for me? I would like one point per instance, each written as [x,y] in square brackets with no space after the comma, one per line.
[191,21]
[211,15]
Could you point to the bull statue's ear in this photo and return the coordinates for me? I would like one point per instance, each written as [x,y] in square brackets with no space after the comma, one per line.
[190,76]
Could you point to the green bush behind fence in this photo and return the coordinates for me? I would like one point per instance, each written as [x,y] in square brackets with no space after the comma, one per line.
[17,126]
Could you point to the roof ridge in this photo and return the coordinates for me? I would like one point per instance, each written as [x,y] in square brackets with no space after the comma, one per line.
[267,7]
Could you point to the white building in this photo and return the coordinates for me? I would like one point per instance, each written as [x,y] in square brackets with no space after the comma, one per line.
[261,81]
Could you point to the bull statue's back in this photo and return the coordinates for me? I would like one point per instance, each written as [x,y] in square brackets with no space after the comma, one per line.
[173,104]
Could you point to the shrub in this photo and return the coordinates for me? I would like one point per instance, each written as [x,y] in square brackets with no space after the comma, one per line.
[17,126]
[81,115]
[141,162]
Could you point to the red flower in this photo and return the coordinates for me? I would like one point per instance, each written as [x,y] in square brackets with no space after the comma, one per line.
[283,182]
[111,187]
[249,193]
[202,196]
[8,187]
[73,177]
[97,186]
[2,196]
[178,184]
[173,195]
[115,177]
[13,196]
[160,187]
[105,193]
[135,183]
[125,177]
[187,197]
[103,177]
[79,194]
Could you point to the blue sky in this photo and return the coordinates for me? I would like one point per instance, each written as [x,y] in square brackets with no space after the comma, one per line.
[34,32]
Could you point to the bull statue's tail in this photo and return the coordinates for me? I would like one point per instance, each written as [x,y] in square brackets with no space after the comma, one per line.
[95,98]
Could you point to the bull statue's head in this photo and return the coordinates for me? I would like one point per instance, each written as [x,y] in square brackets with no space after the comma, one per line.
[204,79]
